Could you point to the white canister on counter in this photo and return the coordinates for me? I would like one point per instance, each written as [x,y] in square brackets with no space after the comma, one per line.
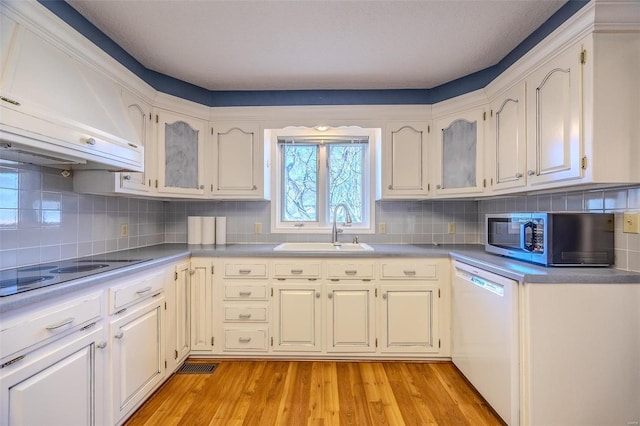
[194,230]
[221,230]
[208,230]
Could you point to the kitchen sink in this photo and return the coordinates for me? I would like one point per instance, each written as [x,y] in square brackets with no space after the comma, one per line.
[324,247]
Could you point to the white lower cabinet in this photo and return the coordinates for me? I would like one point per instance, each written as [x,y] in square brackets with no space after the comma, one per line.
[178,314]
[202,319]
[409,318]
[351,318]
[297,317]
[137,354]
[60,384]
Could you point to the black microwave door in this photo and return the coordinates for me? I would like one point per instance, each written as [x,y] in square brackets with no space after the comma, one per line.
[505,233]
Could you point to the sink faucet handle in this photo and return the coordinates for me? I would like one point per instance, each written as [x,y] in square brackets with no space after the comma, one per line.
[355,240]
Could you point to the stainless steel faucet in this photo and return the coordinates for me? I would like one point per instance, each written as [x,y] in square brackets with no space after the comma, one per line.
[335,230]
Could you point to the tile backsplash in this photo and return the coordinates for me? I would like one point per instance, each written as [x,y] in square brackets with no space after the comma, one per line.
[42,219]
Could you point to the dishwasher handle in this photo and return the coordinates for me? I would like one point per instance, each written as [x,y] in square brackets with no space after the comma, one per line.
[481,282]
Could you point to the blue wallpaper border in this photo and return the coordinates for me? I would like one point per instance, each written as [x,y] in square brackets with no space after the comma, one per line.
[217,98]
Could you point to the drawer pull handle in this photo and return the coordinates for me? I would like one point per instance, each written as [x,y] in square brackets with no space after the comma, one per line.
[245,271]
[296,271]
[245,293]
[119,335]
[407,272]
[350,271]
[61,323]
[244,339]
[144,290]
[13,361]
[244,316]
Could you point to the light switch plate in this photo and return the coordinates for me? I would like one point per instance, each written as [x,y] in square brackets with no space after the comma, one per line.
[631,223]
[257,227]
[382,228]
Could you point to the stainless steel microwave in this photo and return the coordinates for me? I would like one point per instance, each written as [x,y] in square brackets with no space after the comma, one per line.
[552,239]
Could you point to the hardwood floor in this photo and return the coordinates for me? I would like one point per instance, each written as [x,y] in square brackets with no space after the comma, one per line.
[317,393]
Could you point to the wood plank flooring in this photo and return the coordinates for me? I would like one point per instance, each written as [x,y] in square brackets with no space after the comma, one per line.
[317,393]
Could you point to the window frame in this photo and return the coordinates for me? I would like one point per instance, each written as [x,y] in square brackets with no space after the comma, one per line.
[323,225]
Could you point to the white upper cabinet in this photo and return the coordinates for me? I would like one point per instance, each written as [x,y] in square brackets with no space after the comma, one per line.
[238,161]
[405,160]
[180,150]
[611,123]
[554,95]
[459,153]
[140,115]
[507,149]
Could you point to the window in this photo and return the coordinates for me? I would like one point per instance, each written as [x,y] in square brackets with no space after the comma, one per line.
[316,172]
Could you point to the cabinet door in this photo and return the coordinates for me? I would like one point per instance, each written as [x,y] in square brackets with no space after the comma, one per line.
[409,320]
[297,317]
[178,295]
[508,133]
[140,115]
[60,384]
[238,159]
[554,97]
[180,154]
[351,318]
[460,153]
[201,284]
[404,160]
[137,355]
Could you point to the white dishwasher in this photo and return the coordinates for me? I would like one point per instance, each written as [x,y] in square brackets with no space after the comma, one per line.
[485,343]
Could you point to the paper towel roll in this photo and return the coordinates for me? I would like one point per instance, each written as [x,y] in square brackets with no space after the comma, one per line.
[194,230]
[208,230]
[221,230]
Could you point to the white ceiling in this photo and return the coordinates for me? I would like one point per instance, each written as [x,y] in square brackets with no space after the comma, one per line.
[317,44]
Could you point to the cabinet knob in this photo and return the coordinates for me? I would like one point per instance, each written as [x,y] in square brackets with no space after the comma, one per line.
[126,177]
[201,186]
[101,345]
[330,295]
[438,186]
[254,188]
[531,173]
[90,141]
[119,335]
[317,295]
[518,175]
[384,296]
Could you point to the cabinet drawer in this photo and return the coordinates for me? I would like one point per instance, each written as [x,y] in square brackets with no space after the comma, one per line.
[244,270]
[238,313]
[134,291]
[49,323]
[245,292]
[293,270]
[351,270]
[409,270]
[245,339]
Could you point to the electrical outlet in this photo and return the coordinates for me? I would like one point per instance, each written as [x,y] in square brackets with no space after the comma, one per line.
[382,228]
[631,223]
[451,228]
[124,230]
[257,228]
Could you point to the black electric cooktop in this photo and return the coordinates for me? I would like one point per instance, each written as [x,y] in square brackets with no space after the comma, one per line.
[18,280]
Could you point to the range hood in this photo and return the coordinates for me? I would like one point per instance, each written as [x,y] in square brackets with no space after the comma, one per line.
[57,109]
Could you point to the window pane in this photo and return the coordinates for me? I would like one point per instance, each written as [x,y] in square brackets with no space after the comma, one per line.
[300,183]
[346,180]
